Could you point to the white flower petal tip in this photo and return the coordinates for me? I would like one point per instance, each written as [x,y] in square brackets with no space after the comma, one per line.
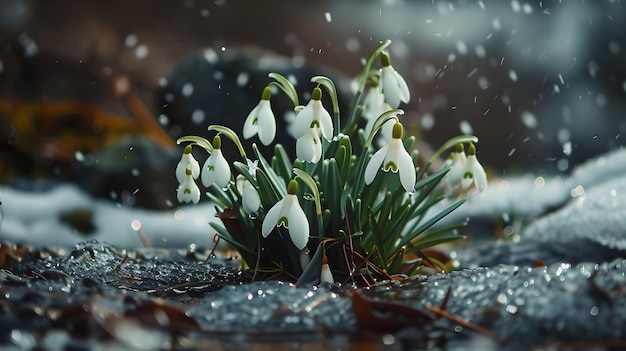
[188,191]
[261,121]
[393,157]
[288,213]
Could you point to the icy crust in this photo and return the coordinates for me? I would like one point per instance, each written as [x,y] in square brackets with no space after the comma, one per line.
[275,308]
[531,306]
[523,306]
[110,266]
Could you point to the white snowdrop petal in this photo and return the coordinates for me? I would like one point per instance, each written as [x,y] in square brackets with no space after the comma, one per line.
[391,90]
[405,94]
[181,169]
[271,218]
[457,169]
[251,125]
[374,165]
[406,170]
[222,169]
[326,275]
[326,123]
[251,200]
[267,123]
[298,224]
[302,124]
[480,177]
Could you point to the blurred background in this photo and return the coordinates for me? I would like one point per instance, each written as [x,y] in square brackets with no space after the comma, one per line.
[95,92]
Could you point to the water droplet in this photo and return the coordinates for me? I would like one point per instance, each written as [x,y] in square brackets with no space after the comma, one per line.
[529,119]
[328,17]
[594,311]
[130,41]
[242,79]
[141,52]
[466,127]
[197,116]
[187,89]
[567,148]
[513,75]
[461,47]
[512,309]
[79,156]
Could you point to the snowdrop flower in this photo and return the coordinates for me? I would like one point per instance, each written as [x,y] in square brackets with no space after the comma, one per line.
[261,120]
[188,191]
[474,172]
[216,169]
[249,196]
[373,101]
[393,157]
[313,116]
[394,87]
[457,168]
[309,146]
[326,276]
[187,161]
[288,213]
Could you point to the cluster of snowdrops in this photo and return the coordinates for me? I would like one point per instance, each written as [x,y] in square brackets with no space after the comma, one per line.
[342,210]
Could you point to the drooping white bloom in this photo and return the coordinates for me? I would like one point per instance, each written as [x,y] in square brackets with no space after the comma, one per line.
[187,161]
[313,116]
[474,171]
[288,213]
[394,87]
[309,146]
[188,191]
[373,101]
[261,120]
[393,157]
[216,169]
[249,196]
[457,169]
[326,276]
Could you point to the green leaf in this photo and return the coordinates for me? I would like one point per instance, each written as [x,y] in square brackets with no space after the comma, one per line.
[268,194]
[332,194]
[328,84]
[230,134]
[423,227]
[196,140]
[285,85]
[281,162]
[278,184]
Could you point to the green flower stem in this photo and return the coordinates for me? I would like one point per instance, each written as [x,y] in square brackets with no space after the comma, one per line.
[285,85]
[332,91]
[230,134]
[196,140]
[380,121]
[310,183]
